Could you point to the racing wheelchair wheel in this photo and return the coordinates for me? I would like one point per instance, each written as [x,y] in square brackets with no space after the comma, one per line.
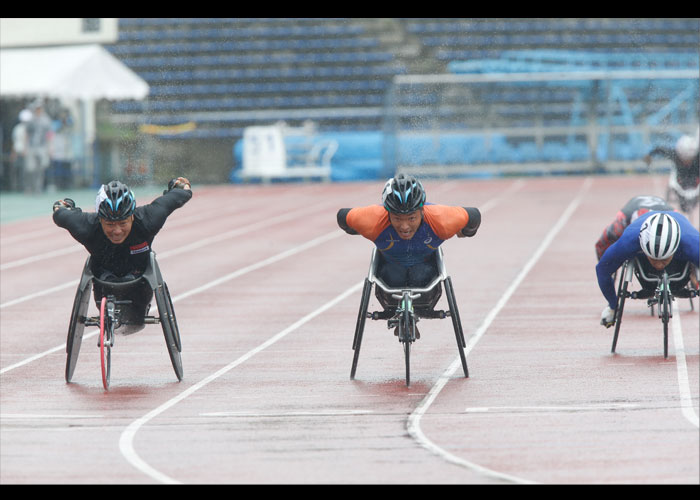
[360,325]
[621,296]
[76,327]
[169,326]
[407,332]
[665,309]
[106,339]
[456,324]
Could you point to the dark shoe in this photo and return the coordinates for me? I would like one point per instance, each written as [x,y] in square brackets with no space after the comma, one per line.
[396,332]
[644,293]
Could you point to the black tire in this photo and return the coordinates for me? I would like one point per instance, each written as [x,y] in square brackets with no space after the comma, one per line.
[360,325]
[106,339]
[665,311]
[407,353]
[170,336]
[621,296]
[456,324]
[173,319]
[76,327]
[407,335]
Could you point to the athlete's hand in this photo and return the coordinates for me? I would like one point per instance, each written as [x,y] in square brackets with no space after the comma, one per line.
[607,318]
[64,203]
[178,183]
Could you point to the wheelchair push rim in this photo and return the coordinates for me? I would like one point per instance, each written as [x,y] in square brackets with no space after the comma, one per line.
[170,328]
[76,329]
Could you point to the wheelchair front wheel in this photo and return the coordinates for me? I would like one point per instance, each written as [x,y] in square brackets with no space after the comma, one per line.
[407,333]
[665,310]
[106,341]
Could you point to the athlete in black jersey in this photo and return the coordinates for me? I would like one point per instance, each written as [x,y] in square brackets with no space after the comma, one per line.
[119,235]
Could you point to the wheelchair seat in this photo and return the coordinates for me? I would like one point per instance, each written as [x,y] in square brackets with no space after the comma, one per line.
[128,315]
[648,277]
[422,300]
[429,294]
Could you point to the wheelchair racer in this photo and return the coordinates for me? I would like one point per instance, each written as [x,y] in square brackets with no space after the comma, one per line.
[686,160]
[633,208]
[407,230]
[666,239]
[119,235]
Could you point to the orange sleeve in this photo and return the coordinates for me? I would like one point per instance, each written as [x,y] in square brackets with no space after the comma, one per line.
[445,221]
[368,221]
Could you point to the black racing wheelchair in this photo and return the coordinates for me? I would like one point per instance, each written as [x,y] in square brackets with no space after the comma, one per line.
[668,288]
[110,317]
[402,309]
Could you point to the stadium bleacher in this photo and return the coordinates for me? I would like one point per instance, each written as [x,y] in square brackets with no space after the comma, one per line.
[227,74]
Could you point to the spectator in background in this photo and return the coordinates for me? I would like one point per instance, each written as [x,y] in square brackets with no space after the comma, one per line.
[61,151]
[37,160]
[20,142]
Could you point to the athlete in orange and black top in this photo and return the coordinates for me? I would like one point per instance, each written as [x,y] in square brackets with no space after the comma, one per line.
[407,231]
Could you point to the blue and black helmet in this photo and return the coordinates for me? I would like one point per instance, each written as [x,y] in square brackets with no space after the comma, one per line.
[403,194]
[115,201]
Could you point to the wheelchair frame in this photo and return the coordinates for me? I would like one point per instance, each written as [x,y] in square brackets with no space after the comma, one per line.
[663,297]
[108,318]
[403,312]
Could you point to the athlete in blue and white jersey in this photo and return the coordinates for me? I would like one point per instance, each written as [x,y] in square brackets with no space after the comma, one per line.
[662,240]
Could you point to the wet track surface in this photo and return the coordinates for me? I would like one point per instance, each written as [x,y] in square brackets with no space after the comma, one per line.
[266,291]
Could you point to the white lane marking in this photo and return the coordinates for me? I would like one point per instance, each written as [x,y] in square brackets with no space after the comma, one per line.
[548,409]
[33,416]
[41,256]
[162,255]
[413,425]
[126,440]
[687,407]
[210,284]
[328,413]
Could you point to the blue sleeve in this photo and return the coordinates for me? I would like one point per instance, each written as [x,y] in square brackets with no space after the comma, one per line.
[624,248]
[689,248]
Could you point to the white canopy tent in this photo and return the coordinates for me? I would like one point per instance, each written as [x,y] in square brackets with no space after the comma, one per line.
[84,72]
[77,75]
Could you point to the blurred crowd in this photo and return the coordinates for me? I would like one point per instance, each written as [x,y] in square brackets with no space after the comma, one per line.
[42,154]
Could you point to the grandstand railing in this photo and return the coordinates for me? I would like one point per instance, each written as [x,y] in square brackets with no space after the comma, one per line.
[605,120]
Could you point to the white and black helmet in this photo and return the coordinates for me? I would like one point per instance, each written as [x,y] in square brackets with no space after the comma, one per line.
[687,148]
[660,236]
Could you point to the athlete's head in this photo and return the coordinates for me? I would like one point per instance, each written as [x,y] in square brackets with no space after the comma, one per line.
[115,204]
[687,149]
[659,238]
[403,197]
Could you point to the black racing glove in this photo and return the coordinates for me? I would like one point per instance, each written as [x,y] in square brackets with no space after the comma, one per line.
[177,183]
[65,203]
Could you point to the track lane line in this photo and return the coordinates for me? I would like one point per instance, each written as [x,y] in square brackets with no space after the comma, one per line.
[175,251]
[687,407]
[126,440]
[235,274]
[413,423]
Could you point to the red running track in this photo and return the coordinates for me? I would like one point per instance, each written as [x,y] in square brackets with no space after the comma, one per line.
[267,288]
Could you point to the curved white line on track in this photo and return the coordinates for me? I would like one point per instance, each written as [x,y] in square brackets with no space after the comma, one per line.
[126,440]
[687,407]
[413,424]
